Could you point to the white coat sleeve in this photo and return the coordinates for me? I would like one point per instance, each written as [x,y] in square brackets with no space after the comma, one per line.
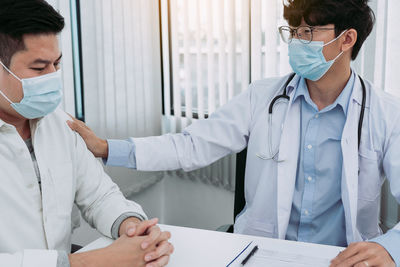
[391,163]
[97,196]
[30,258]
[391,166]
[202,143]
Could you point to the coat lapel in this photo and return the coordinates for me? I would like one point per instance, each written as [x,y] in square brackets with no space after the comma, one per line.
[288,156]
[350,168]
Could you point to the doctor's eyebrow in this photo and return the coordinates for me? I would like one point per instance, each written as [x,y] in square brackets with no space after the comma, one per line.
[46,62]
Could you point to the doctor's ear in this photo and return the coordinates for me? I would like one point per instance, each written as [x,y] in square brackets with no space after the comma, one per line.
[349,40]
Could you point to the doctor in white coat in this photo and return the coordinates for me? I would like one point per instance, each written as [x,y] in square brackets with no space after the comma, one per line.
[317,155]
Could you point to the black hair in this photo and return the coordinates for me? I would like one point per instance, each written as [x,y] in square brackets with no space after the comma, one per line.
[344,14]
[21,17]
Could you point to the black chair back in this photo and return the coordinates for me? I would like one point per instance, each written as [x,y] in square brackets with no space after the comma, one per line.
[240,201]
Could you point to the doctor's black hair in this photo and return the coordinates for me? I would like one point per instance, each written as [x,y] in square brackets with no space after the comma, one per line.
[344,14]
[21,17]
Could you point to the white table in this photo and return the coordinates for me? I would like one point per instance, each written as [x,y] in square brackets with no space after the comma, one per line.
[202,248]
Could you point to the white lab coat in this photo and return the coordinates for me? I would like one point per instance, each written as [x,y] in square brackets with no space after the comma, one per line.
[269,185]
[32,227]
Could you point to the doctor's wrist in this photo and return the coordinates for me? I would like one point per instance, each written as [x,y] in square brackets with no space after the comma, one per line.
[102,149]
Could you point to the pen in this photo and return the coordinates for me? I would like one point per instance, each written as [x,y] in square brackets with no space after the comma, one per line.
[252,252]
[241,252]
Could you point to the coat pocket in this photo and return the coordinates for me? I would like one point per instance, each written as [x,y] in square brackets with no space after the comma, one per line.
[370,179]
[258,228]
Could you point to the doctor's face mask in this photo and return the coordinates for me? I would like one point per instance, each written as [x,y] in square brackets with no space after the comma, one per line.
[308,60]
[42,94]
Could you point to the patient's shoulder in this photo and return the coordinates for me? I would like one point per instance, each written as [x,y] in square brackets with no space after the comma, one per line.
[56,122]
[60,114]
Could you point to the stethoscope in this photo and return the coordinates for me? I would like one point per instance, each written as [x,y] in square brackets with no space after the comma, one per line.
[274,154]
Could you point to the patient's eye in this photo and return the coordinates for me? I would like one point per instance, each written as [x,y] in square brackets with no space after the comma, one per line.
[38,69]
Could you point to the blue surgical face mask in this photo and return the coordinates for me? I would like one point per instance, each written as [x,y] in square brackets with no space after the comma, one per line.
[42,95]
[308,61]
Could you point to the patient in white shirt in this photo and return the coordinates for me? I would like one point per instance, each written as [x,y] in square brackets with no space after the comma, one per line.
[46,168]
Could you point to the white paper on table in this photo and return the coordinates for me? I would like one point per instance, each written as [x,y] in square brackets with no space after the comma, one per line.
[264,257]
[282,259]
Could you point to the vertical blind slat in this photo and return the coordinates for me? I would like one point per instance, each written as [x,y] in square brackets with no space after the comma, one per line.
[149,76]
[199,63]
[101,77]
[139,81]
[269,12]
[221,53]
[380,45]
[109,68]
[255,40]
[231,48]
[187,62]
[392,76]
[67,64]
[245,42]
[119,62]
[175,60]
[210,59]
[166,57]
[130,74]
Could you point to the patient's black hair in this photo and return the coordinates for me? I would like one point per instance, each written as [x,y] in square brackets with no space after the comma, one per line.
[21,17]
[344,14]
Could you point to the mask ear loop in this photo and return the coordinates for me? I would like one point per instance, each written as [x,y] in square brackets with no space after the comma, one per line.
[1,92]
[328,43]
[9,71]
[15,76]
[334,40]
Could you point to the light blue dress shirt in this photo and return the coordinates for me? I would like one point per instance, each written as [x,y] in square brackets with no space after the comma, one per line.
[317,212]
[121,153]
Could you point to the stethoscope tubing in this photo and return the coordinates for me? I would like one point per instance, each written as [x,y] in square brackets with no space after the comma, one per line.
[285,96]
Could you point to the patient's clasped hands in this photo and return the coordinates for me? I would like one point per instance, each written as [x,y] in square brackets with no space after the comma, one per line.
[141,244]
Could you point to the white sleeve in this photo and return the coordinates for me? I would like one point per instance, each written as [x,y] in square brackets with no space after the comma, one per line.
[97,196]
[391,163]
[30,258]
[202,143]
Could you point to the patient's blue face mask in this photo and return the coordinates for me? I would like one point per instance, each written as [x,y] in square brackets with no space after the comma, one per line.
[42,95]
[308,61]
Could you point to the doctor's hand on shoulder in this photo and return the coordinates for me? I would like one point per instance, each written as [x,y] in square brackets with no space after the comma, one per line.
[363,254]
[96,145]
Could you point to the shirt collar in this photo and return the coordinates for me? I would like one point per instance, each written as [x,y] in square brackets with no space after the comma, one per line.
[342,100]
[293,84]
[33,123]
[2,123]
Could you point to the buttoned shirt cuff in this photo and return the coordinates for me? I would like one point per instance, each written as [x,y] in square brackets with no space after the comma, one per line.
[390,241]
[117,224]
[121,153]
[62,259]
